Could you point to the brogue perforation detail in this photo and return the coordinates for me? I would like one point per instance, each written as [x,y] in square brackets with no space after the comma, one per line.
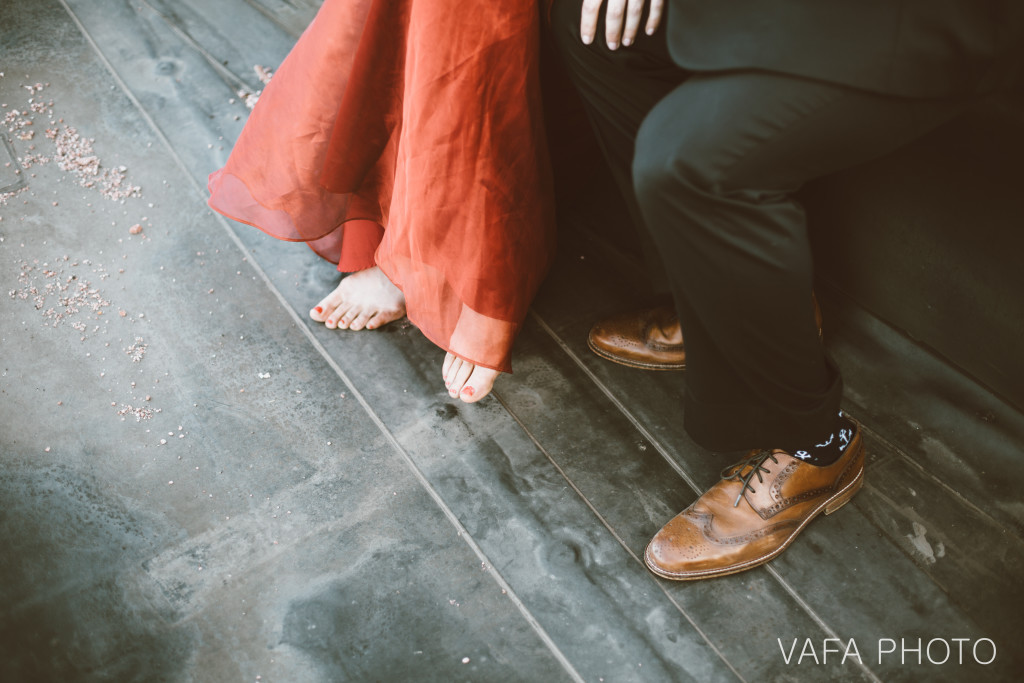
[788,502]
[737,540]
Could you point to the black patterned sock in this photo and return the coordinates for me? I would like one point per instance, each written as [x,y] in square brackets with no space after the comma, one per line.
[830,448]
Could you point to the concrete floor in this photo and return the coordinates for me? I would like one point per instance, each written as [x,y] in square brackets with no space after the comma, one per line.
[198,484]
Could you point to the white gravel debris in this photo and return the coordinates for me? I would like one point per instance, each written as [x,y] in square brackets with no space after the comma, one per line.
[75,154]
[247,96]
[72,152]
[263,73]
[137,351]
[140,414]
[60,295]
[7,196]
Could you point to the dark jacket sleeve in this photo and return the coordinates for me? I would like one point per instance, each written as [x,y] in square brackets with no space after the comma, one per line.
[916,48]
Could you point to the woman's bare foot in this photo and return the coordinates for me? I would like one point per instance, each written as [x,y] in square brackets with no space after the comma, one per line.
[364,299]
[465,380]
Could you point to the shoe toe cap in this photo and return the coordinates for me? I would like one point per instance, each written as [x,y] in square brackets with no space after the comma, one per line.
[688,547]
[681,547]
[615,334]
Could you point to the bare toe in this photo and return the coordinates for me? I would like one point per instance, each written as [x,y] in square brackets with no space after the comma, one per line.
[381,318]
[449,358]
[344,315]
[452,371]
[463,373]
[479,384]
[333,317]
[359,322]
[326,307]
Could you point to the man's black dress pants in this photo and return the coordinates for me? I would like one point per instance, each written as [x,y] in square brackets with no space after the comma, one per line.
[710,162]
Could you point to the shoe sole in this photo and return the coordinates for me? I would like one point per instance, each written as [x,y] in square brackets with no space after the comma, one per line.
[635,364]
[841,498]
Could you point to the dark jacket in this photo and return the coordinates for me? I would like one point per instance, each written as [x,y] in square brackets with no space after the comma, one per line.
[916,48]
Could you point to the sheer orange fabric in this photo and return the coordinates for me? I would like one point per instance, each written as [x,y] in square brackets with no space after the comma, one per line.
[412,127]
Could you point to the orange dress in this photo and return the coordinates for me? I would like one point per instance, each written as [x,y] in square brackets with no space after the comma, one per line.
[408,133]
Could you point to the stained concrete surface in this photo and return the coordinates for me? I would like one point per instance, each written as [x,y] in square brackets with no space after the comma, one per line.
[259,512]
[211,488]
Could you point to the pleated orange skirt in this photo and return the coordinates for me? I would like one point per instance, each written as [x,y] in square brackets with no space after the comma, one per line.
[409,134]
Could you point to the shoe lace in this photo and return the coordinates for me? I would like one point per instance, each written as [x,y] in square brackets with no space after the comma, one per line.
[745,471]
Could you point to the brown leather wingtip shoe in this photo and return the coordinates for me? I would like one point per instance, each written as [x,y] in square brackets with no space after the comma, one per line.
[650,339]
[753,513]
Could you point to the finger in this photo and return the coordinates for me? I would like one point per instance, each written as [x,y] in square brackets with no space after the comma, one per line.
[634,13]
[654,18]
[588,20]
[614,14]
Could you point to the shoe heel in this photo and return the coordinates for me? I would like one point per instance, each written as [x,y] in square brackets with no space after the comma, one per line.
[843,499]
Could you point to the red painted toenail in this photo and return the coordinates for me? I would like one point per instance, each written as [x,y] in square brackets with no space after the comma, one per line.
[330,322]
[468,391]
[318,309]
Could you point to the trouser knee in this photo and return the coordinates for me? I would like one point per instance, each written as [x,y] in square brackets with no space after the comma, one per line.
[693,187]
[670,161]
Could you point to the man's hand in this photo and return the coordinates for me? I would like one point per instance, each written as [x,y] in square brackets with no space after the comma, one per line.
[621,20]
